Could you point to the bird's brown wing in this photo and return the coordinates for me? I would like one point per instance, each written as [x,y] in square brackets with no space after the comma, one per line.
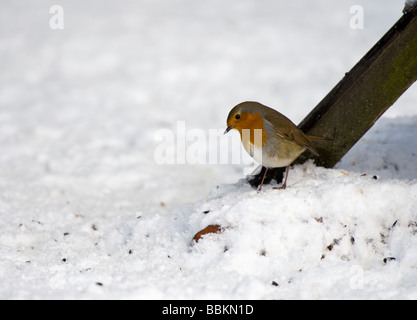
[286,129]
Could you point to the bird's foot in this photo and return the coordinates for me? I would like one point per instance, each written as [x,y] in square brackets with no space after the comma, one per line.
[283,187]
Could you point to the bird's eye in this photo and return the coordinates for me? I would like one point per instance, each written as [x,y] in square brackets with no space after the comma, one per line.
[237,116]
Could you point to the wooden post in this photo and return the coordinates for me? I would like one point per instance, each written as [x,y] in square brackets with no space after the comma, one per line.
[361,97]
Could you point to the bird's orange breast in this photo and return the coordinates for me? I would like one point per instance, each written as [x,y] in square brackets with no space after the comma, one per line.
[249,126]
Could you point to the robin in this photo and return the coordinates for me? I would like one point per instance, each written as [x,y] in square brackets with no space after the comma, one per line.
[269,137]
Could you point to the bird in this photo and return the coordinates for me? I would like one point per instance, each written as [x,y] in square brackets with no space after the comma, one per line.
[269,137]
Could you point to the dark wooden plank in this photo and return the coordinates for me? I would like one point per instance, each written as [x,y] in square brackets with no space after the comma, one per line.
[353,106]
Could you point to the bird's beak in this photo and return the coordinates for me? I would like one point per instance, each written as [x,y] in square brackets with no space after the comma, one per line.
[228,129]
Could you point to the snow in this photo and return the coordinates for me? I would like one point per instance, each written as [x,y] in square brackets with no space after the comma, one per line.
[87,212]
[409,4]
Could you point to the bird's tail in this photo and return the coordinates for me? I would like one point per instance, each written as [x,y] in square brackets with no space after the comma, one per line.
[316,138]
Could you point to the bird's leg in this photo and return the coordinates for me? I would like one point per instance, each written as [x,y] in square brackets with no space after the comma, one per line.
[284,185]
[286,176]
[262,182]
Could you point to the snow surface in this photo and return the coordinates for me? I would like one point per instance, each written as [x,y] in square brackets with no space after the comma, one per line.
[87,213]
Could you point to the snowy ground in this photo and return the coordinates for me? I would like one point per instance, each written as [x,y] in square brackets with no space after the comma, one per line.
[87,213]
